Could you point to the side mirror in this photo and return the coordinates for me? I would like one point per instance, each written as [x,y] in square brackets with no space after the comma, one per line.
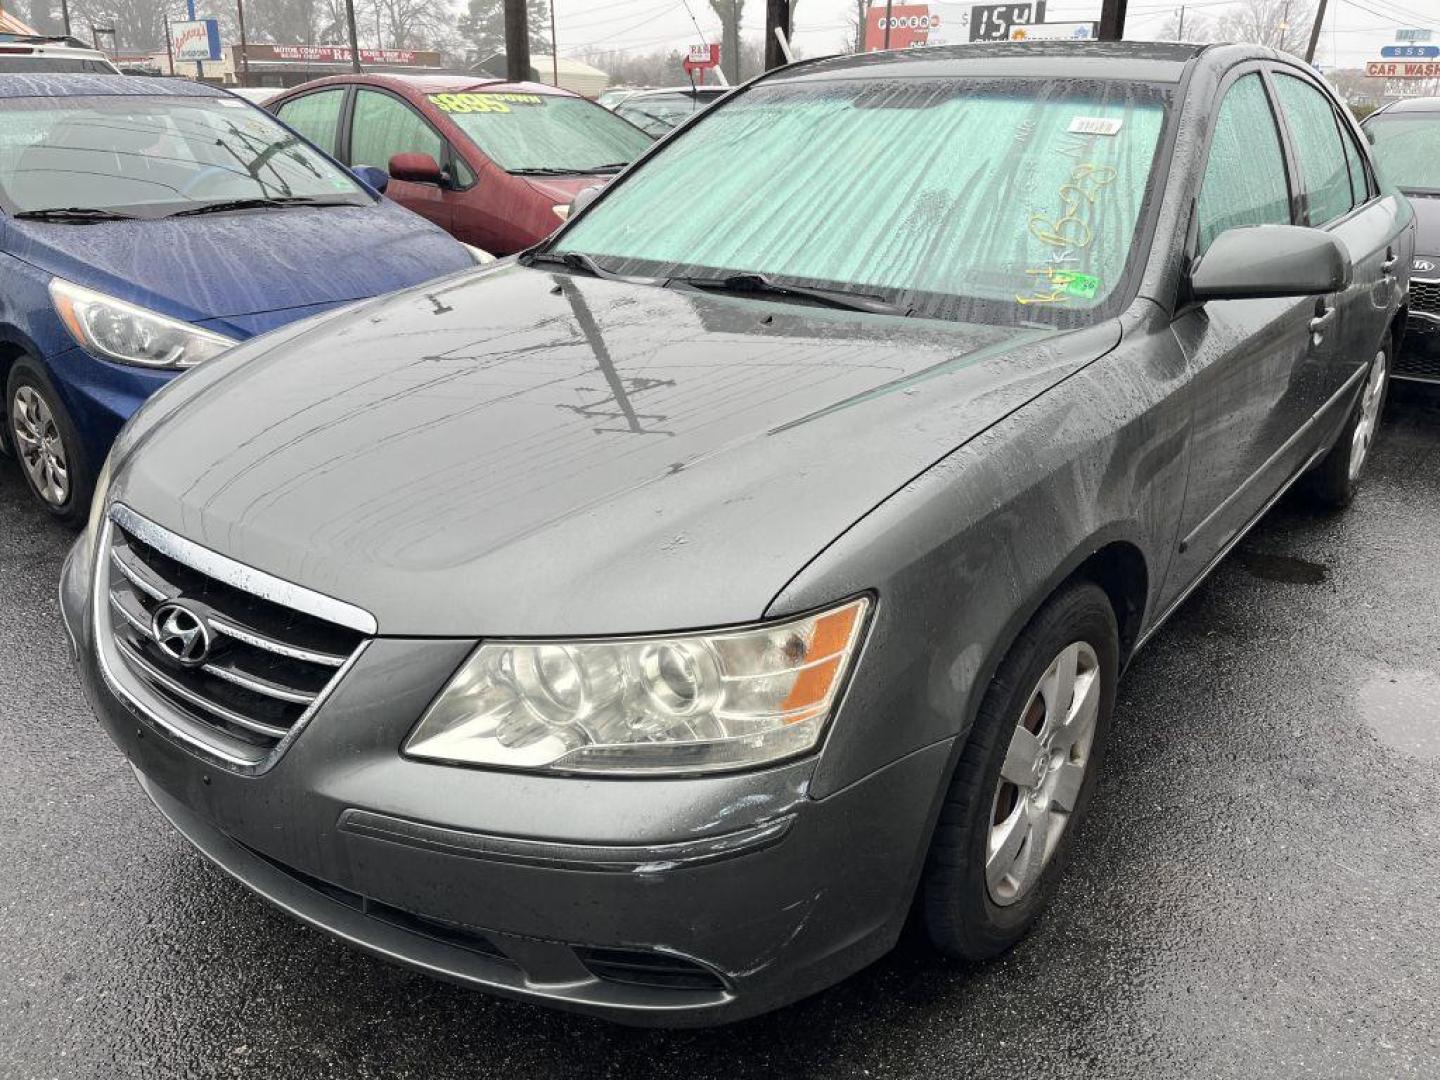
[417,168]
[372,177]
[583,198]
[1257,261]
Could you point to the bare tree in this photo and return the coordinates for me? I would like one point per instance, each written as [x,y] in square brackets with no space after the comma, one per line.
[1193,27]
[482,27]
[730,12]
[1278,24]
[409,24]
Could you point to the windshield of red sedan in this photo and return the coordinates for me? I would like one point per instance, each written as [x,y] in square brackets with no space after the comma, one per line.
[152,156]
[991,200]
[544,133]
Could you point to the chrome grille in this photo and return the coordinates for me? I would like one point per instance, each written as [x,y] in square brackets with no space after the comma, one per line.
[267,664]
[1425,297]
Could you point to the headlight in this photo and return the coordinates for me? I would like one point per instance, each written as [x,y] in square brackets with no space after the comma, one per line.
[687,703]
[130,334]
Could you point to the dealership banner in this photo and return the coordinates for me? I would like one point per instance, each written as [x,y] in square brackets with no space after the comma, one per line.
[944,23]
[198,40]
[340,54]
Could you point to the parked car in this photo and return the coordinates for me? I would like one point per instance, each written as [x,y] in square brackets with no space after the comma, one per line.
[647,625]
[146,226]
[33,53]
[257,95]
[659,112]
[1406,140]
[494,163]
[614,95]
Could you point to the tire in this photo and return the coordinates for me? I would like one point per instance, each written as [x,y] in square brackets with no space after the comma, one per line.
[966,912]
[1332,483]
[46,445]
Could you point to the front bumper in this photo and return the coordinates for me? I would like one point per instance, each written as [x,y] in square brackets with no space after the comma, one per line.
[667,902]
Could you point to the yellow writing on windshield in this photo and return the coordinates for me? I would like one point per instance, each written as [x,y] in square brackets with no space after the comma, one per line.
[1068,233]
[483,103]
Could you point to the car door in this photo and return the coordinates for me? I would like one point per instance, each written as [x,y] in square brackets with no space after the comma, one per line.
[316,116]
[1340,197]
[383,125]
[1259,372]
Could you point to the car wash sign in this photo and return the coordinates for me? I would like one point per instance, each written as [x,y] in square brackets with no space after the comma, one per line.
[198,40]
[913,25]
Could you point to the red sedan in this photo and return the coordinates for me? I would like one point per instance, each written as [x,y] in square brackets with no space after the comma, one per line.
[494,163]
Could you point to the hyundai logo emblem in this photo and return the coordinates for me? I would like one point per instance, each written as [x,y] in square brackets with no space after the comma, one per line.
[1423,266]
[181,634]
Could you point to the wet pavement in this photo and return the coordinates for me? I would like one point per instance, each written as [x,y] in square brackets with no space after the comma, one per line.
[1255,894]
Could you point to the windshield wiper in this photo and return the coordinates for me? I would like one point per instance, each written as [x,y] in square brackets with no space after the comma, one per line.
[574,260]
[74,213]
[260,203]
[538,171]
[613,167]
[759,283]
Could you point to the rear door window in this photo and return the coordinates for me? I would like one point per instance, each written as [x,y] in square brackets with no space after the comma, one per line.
[1324,176]
[1245,182]
[385,126]
[316,116]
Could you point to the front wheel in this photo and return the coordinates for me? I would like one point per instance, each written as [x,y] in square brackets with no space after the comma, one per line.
[1336,478]
[47,446]
[1024,778]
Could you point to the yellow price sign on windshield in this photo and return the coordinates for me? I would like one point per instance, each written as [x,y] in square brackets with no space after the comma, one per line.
[483,103]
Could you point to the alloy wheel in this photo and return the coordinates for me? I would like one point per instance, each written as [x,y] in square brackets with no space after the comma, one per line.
[40,446]
[1369,421]
[1043,772]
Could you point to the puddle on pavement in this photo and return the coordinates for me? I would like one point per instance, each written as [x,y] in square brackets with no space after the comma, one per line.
[1282,568]
[1402,708]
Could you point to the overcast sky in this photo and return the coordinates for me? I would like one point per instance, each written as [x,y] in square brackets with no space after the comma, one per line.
[1354,29]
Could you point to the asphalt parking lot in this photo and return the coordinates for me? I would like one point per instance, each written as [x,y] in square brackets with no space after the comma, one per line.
[1255,893]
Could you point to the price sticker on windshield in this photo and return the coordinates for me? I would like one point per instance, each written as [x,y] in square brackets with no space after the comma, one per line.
[1094,125]
[484,103]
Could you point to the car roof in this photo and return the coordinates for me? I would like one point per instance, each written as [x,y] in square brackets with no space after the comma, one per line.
[1411,105]
[438,84]
[66,84]
[1145,61]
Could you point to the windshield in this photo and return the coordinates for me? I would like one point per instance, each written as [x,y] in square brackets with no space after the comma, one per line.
[988,200]
[154,156]
[1407,149]
[544,133]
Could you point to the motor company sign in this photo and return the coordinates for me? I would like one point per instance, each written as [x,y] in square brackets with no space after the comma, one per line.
[1403,69]
[340,54]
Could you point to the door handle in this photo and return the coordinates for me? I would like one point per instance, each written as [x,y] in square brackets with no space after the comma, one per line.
[1388,266]
[1320,322]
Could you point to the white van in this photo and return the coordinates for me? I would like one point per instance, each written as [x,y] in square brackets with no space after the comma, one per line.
[24,53]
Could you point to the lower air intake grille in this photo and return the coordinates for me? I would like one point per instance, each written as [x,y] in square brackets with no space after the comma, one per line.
[212,660]
[1425,297]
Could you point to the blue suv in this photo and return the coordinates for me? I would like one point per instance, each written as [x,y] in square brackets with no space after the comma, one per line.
[147,225]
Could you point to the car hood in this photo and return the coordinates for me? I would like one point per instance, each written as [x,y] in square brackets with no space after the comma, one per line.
[515,452]
[1427,227]
[562,189]
[228,265]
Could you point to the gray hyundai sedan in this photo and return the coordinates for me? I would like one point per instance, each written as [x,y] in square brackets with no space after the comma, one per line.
[648,624]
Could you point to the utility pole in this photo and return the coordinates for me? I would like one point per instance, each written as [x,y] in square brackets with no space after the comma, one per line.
[65,15]
[860,27]
[1315,32]
[1112,20]
[517,42]
[1284,26]
[244,59]
[777,18]
[554,49]
[889,12]
[354,36]
[1180,34]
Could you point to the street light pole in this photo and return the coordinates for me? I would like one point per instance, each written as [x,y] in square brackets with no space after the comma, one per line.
[244,59]
[777,18]
[354,36]
[1112,20]
[1315,33]
[517,41]
[65,15]
[554,49]
[889,12]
